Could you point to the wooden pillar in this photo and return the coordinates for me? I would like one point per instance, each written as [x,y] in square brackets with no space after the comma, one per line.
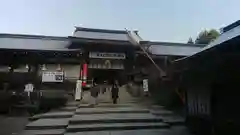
[35,75]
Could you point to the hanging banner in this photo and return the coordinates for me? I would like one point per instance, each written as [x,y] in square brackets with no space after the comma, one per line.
[78,92]
[52,76]
[145,85]
[107,55]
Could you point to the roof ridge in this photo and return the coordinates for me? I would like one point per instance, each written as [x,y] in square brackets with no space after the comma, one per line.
[172,43]
[31,36]
[100,30]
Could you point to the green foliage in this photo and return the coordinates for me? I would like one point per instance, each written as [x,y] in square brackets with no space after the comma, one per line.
[205,37]
[213,34]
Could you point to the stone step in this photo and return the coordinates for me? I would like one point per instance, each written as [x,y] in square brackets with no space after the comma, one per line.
[68,108]
[115,126]
[110,110]
[161,112]
[84,106]
[72,103]
[42,124]
[164,131]
[43,132]
[114,118]
[174,120]
[156,107]
[52,115]
[110,105]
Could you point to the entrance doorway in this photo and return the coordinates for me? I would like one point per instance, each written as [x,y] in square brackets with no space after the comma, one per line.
[101,75]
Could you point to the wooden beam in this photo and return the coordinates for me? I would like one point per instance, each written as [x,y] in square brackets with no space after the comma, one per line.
[162,73]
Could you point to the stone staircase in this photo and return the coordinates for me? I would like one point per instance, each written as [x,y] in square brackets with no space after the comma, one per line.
[126,117]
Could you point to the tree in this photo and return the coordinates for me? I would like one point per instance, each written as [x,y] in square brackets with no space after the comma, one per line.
[205,37]
[213,34]
[190,41]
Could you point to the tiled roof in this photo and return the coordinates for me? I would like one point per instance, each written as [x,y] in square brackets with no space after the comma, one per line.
[33,42]
[174,49]
[103,34]
[231,26]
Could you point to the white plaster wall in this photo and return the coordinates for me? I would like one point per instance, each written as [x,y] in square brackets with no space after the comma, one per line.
[71,71]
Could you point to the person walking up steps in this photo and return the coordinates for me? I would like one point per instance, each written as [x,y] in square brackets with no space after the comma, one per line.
[115,90]
[94,93]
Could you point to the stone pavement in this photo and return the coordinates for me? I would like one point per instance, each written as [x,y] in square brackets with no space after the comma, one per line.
[128,117]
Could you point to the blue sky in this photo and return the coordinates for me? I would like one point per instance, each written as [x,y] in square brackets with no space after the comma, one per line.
[159,20]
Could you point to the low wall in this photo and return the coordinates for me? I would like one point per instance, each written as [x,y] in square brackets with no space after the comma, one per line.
[164,93]
[135,90]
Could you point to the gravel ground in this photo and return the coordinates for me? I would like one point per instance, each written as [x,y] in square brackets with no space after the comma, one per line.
[12,125]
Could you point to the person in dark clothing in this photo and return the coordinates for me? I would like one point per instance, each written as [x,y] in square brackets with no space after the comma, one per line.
[94,93]
[115,90]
